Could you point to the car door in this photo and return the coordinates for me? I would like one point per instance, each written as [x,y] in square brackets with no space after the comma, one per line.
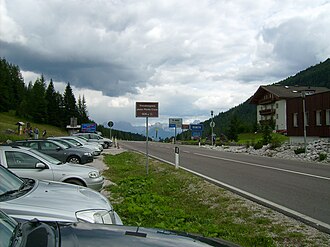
[24,165]
[53,150]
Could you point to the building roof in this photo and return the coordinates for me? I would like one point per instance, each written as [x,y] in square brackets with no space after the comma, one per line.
[285,92]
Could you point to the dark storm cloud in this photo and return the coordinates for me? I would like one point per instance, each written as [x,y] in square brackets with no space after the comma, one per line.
[111,79]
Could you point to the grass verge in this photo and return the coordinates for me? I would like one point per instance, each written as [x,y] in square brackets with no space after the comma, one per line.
[177,200]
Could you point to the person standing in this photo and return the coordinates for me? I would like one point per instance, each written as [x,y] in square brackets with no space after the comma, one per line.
[36,133]
[44,133]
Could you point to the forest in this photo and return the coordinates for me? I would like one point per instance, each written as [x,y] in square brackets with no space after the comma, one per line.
[40,103]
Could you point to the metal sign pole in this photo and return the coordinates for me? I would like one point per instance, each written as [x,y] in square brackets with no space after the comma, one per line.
[147,150]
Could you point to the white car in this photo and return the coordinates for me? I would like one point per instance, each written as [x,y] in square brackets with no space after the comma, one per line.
[28,162]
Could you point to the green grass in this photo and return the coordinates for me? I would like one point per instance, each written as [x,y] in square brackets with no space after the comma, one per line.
[252,138]
[177,200]
[8,121]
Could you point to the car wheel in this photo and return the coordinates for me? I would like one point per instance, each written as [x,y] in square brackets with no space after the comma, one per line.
[75,181]
[74,159]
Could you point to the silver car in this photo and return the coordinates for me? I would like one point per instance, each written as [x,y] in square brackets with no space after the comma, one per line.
[53,201]
[90,140]
[28,162]
[96,137]
[97,148]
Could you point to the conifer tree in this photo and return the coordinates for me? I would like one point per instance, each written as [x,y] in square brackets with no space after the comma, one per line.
[69,104]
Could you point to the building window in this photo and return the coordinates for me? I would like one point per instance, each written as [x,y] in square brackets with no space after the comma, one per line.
[318,118]
[276,105]
[327,117]
[307,118]
[295,119]
[276,116]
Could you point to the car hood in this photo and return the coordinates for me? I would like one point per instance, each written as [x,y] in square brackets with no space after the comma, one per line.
[84,234]
[54,201]
[81,169]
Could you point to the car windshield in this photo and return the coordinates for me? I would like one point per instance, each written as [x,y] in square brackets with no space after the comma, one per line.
[7,227]
[46,157]
[9,182]
[74,142]
[60,144]
[63,142]
[82,137]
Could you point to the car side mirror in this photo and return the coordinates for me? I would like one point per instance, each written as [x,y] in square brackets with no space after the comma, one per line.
[58,148]
[40,165]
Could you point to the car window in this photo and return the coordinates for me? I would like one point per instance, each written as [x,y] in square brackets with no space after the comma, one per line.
[33,145]
[48,146]
[20,160]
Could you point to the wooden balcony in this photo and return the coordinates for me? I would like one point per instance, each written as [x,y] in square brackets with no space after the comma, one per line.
[267,112]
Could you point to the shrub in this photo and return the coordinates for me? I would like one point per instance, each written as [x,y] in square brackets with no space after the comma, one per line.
[322,156]
[258,145]
[299,150]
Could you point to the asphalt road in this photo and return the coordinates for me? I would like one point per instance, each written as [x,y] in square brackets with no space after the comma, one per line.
[300,189]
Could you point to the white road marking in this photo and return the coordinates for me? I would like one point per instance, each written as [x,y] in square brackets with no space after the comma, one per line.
[267,167]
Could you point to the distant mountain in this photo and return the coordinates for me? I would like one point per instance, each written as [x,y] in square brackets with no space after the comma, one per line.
[162,129]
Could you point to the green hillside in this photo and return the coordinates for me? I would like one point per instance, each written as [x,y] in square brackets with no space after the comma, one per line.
[316,76]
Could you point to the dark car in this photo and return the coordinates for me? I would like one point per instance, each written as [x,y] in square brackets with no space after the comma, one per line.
[58,151]
[35,233]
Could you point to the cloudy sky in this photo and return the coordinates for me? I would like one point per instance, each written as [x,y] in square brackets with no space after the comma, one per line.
[191,56]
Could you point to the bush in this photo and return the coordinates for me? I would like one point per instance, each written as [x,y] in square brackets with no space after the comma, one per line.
[322,156]
[275,142]
[299,150]
[258,145]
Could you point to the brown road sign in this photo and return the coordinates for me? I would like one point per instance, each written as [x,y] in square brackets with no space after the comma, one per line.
[146,109]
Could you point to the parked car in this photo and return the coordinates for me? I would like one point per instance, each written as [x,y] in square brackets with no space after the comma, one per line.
[28,162]
[68,144]
[26,198]
[94,136]
[91,140]
[57,150]
[97,148]
[36,233]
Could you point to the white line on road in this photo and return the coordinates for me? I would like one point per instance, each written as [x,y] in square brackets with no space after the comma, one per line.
[267,167]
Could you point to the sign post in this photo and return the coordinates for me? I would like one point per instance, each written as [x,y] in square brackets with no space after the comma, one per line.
[146,109]
[175,123]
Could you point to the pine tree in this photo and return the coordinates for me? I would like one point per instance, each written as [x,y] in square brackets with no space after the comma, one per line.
[69,103]
[38,101]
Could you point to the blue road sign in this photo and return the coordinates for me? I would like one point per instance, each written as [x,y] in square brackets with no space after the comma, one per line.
[196,127]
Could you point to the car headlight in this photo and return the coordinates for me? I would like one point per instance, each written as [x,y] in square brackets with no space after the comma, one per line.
[97,216]
[88,154]
[94,174]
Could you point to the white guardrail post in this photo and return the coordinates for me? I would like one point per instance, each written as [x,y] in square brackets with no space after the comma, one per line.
[177,158]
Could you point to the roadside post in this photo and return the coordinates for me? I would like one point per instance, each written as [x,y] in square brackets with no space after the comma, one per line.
[177,157]
[110,124]
[146,109]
